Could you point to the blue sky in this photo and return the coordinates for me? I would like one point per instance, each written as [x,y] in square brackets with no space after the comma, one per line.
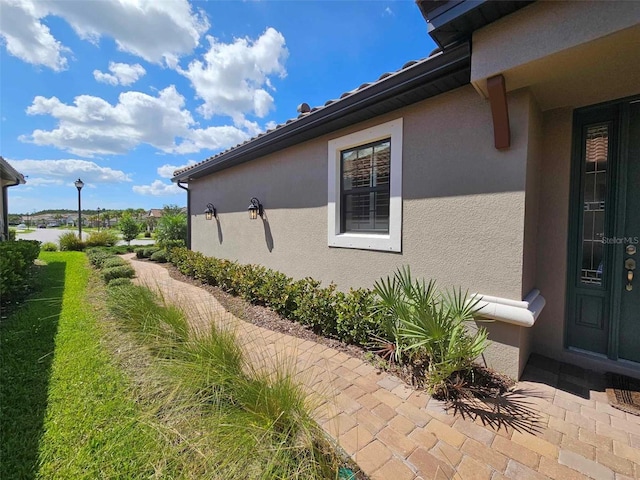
[121,92]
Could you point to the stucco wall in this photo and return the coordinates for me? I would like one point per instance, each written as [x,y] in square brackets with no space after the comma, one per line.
[551,268]
[463,209]
[534,147]
[544,28]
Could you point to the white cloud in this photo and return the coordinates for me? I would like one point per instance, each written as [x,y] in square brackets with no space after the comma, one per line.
[157,189]
[121,74]
[166,171]
[27,38]
[60,172]
[211,138]
[154,30]
[92,126]
[40,182]
[231,78]
[151,29]
[389,12]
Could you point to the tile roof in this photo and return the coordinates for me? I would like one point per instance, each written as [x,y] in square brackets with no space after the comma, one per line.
[381,79]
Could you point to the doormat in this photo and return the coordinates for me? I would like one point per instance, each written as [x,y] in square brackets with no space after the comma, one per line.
[624,393]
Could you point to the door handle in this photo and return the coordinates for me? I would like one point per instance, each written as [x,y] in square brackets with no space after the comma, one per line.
[630,266]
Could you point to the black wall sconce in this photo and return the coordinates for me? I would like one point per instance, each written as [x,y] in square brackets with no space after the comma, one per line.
[255,209]
[210,212]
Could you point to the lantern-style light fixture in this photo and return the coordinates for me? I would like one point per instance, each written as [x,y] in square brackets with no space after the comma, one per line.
[255,209]
[210,212]
[79,184]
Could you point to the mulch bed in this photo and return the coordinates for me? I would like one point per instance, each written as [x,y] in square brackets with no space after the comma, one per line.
[265,317]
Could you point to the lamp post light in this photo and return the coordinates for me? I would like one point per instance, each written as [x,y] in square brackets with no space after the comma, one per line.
[79,184]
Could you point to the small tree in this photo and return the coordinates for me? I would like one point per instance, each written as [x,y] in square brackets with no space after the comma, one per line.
[129,227]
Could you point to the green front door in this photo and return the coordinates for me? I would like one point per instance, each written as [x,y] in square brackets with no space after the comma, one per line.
[604,283]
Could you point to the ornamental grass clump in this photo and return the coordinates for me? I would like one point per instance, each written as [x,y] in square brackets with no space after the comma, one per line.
[70,242]
[425,325]
[258,418]
[104,238]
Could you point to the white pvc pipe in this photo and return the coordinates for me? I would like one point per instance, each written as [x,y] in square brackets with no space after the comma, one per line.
[522,313]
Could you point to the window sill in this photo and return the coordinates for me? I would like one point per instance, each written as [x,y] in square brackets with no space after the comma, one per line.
[366,241]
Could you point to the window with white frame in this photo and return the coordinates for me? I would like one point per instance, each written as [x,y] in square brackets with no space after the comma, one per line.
[365,189]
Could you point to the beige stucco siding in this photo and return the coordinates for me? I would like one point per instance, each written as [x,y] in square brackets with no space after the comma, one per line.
[544,29]
[551,265]
[564,51]
[463,208]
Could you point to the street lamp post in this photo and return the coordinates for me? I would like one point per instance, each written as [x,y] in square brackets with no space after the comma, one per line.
[98,218]
[79,184]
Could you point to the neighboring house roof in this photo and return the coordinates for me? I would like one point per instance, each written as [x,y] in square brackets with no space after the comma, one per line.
[9,175]
[415,81]
[155,213]
[450,24]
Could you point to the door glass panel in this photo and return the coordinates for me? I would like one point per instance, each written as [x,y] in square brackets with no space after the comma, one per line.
[594,194]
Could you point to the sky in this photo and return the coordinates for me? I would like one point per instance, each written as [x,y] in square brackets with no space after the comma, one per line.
[120,93]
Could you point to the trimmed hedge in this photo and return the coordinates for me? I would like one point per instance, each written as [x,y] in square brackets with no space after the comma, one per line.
[123,271]
[16,259]
[97,256]
[119,282]
[350,317]
[111,266]
[114,261]
[160,256]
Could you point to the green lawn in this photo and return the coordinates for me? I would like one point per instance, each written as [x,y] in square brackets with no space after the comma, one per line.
[65,408]
[87,393]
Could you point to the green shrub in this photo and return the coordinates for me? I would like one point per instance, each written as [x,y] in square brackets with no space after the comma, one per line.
[12,234]
[148,251]
[317,307]
[70,242]
[119,282]
[357,320]
[118,249]
[104,238]
[123,271]
[139,252]
[348,317]
[160,256]
[49,247]
[114,261]
[97,256]
[147,234]
[16,259]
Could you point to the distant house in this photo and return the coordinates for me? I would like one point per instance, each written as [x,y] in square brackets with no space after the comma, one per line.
[152,218]
[9,177]
[507,162]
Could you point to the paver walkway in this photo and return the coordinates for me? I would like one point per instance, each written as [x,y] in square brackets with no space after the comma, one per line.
[557,424]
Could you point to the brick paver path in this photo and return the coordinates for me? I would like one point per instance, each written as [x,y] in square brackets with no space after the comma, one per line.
[558,426]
